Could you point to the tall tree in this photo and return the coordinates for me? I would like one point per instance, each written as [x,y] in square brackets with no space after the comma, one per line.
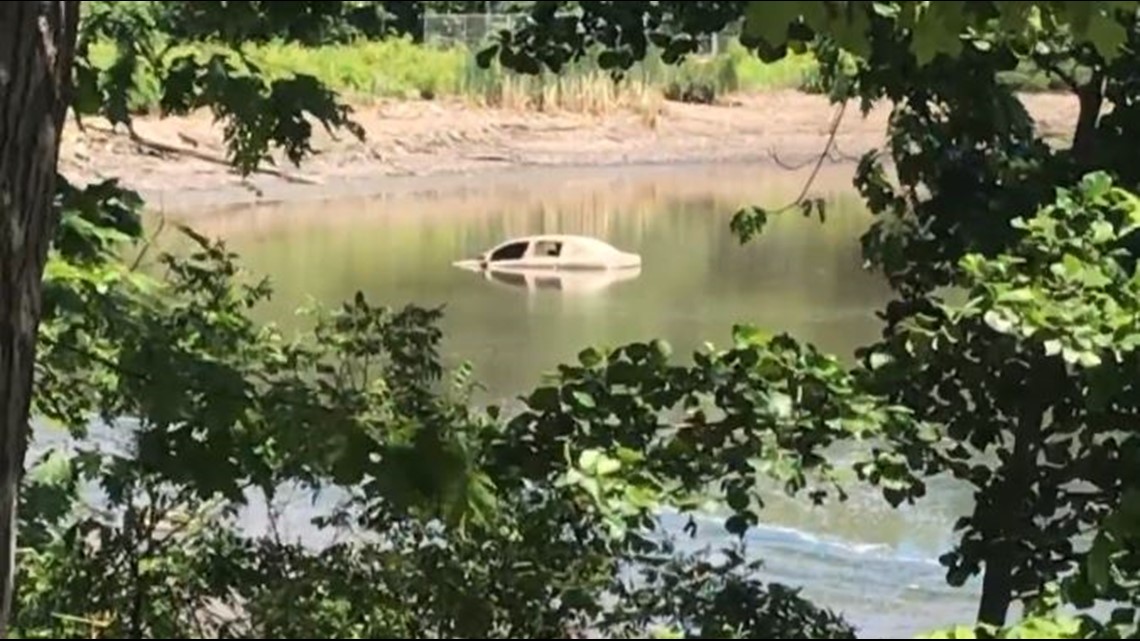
[35,90]
[44,72]
[984,383]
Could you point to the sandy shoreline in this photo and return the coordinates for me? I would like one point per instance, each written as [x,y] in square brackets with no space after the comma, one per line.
[409,142]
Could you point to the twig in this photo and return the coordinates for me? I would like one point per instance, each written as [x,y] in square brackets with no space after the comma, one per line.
[834,155]
[786,165]
[835,122]
[132,523]
[1067,78]
[191,610]
[194,153]
[146,246]
[841,155]
[274,524]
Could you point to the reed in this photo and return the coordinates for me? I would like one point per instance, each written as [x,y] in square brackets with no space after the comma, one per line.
[400,69]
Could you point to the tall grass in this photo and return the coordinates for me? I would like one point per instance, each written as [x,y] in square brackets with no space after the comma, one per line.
[401,69]
[398,68]
[584,86]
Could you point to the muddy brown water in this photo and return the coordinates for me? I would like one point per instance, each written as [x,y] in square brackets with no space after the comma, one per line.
[876,565]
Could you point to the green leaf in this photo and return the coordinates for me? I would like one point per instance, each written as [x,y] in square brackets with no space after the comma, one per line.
[780,404]
[545,399]
[1019,295]
[590,357]
[486,56]
[1103,232]
[851,32]
[588,459]
[749,336]
[878,360]
[1125,520]
[1089,359]
[738,499]
[1107,35]
[957,632]
[769,21]
[736,524]
[886,9]
[998,322]
[54,470]
[584,399]
[607,466]
[87,98]
[592,487]
[938,30]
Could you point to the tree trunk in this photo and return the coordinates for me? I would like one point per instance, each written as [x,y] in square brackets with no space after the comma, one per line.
[1090,98]
[37,48]
[1003,556]
[997,590]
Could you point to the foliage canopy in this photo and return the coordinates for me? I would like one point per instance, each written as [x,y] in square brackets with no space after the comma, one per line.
[467,522]
[1023,391]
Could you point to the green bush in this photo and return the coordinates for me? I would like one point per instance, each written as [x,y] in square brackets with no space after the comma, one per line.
[401,69]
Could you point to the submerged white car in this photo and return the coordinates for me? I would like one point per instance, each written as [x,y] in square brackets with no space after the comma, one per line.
[553,251]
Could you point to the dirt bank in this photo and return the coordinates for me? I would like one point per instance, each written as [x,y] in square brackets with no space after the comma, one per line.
[441,138]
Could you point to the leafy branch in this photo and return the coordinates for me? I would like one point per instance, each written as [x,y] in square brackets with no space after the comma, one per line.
[750,221]
[259,113]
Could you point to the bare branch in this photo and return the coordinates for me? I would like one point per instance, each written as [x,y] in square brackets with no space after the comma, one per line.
[1050,66]
[787,165]
[148,244]
[200,155]
[839,156]
[836,120]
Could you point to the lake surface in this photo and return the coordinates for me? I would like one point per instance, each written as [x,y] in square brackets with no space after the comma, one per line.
[876,565]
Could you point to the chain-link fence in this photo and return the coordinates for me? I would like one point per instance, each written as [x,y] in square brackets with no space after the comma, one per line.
[474,31]
[469,30]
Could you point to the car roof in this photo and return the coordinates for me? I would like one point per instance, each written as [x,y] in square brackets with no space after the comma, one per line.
[587,241]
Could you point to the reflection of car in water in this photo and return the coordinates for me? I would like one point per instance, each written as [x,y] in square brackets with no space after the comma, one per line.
[559,262]
[571,282]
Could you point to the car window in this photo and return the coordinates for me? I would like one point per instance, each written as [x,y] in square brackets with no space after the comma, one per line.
[547,248]
[514,251]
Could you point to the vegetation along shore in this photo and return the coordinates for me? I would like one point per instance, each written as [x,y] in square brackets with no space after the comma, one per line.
[428,109]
